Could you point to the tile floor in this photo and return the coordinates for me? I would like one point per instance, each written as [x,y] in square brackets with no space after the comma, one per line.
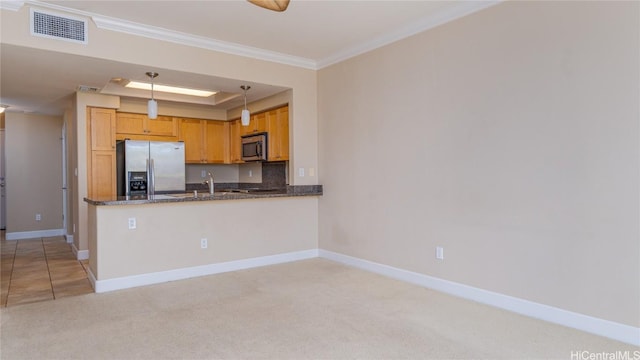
[38,270]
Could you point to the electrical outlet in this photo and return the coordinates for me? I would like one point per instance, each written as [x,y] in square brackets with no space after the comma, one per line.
[439,253]
[203,174]
[203,243]
[250,173]
[132,223]
[312,172]
[38,217]
[301,172]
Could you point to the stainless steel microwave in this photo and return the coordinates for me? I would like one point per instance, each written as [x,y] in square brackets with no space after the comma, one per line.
[254,147]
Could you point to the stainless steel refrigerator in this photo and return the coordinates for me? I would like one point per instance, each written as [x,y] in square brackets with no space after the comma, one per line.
[150,167]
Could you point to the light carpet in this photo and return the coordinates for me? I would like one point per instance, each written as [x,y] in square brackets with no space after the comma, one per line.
[311,309]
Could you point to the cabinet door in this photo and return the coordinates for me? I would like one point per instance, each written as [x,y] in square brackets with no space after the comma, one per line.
[191,132]
[258,123]
[217,141]
[101,124]
[235,153]
[127,123]
[162,126]
[103,174]
[278,129]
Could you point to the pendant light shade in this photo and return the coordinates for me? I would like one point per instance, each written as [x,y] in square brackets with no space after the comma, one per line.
[152,109]
[152,105]
[246,115]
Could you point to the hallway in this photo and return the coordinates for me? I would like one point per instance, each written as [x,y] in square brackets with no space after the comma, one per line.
[40,269]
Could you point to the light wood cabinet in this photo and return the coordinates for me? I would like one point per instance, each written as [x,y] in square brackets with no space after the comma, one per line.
[235,151]
[205,141]
[102,177]
[102,128]
[274,122]
[191,132]
[101,148]
[217,142]
[278,129]
[257,124]
[140,124]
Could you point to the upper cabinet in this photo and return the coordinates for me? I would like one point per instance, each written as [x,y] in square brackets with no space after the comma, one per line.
[217,141]
[140,124]
[235,152]
[257,124]
[205,141]
[278,129]
[101,127]
[274,122]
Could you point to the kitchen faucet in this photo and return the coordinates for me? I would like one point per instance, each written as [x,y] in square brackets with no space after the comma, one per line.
[210,182]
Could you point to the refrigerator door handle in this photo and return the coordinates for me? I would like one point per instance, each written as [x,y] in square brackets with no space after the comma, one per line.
[151,186]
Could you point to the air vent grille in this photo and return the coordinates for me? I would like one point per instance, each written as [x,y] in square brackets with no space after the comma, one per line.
[89,89]
[58,27]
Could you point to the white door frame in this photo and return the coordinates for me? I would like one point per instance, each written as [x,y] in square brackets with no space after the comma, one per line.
[3,197]
[64,179]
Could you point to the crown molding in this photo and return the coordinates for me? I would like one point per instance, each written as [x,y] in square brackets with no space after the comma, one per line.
[157,33]
[11,5]
[430,22]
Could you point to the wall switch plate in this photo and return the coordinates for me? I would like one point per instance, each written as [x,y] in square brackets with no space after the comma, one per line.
[38,217]
[439,253]
[203,173]
[132,223]
[312,172]
[301,172]
[250,173]
[203,243]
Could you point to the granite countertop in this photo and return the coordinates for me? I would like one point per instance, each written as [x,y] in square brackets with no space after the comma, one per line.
[220,194]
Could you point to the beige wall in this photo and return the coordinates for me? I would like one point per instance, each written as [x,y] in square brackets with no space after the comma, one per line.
[33,172]
[168,236]
[173,109]
[509,137]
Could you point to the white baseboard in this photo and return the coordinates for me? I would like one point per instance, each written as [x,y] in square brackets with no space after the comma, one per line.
[69,238]
[606,328]
[101,286]
[34,234]
[80,254]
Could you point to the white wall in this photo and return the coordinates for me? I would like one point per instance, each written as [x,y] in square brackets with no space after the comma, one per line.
[509,137]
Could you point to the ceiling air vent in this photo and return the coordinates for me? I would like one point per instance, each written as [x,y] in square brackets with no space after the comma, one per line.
[56,26]
[88,89]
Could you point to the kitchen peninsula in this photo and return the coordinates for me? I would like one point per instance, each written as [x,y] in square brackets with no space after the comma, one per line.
[141,241]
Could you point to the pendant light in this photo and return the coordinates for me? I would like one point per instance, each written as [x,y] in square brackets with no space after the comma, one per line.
[152,105]
[245,112]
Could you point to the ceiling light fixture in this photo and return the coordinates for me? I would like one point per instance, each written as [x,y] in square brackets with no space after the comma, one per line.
[152,106]
[275,5]
[244,119]
[170,89]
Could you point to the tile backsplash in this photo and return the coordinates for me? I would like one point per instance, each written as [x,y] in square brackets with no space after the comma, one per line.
[274,174]
[263,175]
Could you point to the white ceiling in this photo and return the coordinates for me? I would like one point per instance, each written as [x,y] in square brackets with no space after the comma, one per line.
[310,34]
